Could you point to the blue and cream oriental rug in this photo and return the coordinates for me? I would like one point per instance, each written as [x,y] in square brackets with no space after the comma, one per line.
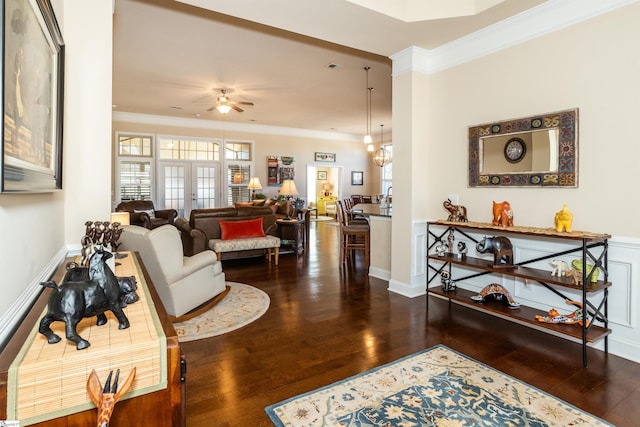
[435,387]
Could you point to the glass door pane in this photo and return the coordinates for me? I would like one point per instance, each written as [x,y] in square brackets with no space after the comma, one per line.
[174,186]
[204,184]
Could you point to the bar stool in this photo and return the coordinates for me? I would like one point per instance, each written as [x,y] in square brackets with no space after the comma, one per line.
[353,237]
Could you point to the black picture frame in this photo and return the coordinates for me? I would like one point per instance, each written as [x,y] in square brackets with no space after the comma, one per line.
[357,178]
[32,98]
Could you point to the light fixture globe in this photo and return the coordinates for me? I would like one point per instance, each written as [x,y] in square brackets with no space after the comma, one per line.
[382,157]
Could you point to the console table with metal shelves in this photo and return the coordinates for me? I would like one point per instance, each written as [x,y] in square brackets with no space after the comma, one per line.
[592,248]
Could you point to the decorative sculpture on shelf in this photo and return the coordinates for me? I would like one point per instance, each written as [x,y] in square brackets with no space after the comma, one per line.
[497,293]
[74,300]
[559,267]
[105,398]
[457,213]
[555,317]
[462,249]
[502,214]
[450,239]
[501,248]
[441,248]
[576,275]
[448,285]
[577,264]
[563,220]
[103,233]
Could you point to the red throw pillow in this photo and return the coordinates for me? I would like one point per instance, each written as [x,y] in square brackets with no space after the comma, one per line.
[241,229]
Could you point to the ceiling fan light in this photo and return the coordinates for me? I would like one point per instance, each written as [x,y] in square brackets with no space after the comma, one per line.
[223,108]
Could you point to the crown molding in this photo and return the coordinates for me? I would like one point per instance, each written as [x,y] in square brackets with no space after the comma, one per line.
[545,18]
[125,117]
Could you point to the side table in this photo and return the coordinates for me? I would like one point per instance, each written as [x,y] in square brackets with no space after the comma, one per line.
[292,232]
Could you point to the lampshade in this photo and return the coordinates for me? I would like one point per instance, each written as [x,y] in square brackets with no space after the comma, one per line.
[121,217]
[288,188]
[326,187]
[223,108]
[238,178]
[254,184]
[370,148]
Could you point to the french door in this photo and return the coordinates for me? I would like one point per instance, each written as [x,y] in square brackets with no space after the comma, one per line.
[184,186]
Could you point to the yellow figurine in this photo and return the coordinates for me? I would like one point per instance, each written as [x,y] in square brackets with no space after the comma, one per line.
[563,220]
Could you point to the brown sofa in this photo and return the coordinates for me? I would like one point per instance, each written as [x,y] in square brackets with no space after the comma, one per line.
[140,213]
[204,225]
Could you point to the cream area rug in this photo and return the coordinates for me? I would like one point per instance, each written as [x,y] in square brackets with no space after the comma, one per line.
[241,306]
[436,387]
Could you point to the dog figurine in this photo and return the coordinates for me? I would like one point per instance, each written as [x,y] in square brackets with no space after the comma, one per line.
[73,300]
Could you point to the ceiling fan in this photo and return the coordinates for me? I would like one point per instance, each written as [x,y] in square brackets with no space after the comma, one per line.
[224,104]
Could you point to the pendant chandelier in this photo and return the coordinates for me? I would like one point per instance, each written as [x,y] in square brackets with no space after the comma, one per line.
[367,138]
[382,157]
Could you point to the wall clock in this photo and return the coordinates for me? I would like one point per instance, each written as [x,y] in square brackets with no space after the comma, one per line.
[515,150]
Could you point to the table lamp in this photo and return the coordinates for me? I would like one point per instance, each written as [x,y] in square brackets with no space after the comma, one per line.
[254,184]
[288,190]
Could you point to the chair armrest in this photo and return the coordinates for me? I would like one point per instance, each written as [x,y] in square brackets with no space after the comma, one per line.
[193,240]
[168,214]
[140,218]
[272,229]
[191,264]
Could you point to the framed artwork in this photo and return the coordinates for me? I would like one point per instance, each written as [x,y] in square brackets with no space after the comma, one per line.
[325,157]
[357,177]
[322,175]
[32,105]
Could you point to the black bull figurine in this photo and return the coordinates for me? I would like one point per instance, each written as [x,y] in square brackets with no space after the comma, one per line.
[87,292]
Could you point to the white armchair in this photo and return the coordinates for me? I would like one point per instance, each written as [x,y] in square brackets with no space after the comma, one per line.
[183,283]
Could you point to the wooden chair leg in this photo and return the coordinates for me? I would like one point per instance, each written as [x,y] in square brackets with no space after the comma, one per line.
[277,254]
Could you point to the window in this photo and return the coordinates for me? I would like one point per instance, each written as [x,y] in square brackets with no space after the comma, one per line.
[238,155]
[134,177]
[238,150]
[134,146]
[191,149]
[387,170]
[237,177]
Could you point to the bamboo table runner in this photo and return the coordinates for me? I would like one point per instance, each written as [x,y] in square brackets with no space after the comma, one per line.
[47,381]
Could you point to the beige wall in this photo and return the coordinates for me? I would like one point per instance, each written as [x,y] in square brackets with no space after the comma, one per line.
[593,66]
[350,155]
[36,229]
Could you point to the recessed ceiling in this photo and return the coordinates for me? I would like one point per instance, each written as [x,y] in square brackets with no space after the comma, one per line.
[171,57]
[426,10]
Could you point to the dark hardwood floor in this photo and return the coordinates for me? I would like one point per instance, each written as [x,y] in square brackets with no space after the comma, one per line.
[326,323]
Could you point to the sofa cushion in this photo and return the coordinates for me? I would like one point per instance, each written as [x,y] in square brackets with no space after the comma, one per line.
[244,229]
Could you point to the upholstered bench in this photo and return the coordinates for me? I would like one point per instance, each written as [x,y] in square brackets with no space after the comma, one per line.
[271,243]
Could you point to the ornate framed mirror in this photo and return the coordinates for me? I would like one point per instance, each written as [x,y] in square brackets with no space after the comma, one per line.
[537,151]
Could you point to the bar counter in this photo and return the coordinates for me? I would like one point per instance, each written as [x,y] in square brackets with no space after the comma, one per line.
[380,238]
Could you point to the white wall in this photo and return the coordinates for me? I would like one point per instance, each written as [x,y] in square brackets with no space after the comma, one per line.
[36,229]
[593,66]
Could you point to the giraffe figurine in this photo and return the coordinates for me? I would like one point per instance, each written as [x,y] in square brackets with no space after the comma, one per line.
[105,399]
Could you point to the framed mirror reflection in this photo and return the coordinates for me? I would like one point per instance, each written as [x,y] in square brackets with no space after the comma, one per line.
[536,151]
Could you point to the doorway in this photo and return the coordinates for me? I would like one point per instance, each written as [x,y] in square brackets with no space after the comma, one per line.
[184,186]
[323,180]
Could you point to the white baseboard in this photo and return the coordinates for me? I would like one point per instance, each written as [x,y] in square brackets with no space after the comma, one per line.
[10,318]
